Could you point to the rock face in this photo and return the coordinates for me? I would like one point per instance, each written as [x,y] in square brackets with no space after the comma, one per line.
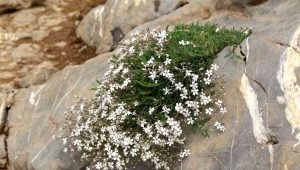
[6,5]
[104,26]
[36,120]
[261,94]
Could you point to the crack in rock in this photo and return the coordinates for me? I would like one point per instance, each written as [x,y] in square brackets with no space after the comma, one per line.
[6,101]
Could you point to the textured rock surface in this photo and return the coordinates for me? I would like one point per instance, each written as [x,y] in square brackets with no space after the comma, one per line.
[3,154]
[31,36]
[6,5]
[106,25]
[261,94]
[36,118]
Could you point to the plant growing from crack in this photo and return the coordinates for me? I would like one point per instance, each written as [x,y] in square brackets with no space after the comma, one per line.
[160,84]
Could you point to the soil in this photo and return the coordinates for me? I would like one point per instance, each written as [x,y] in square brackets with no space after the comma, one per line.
[74,52]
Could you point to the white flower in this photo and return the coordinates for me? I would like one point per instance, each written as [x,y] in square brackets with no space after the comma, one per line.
[207,81]
[131,50]
[184,153]
[98,165]
[148,129]
[217,29]
[209,111]
[153,75]
[190,121]
[219,103]
[162,35]
[214,67]
[195,77]
[65,141]
[168,61]
[65,150]
[166,91]
[223,110]
[195,91]
[178,86]
[219,126]
[216,124]
[188,73]
[136,103]
[165,109]
[204,100]
[181,42]
[183,96]
[125,70]
[151,110]
[179,107]
[209,73]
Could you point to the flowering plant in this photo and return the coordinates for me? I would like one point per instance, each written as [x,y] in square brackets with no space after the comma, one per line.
[159,83]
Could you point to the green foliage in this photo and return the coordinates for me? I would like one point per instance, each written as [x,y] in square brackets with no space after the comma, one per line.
[160,83]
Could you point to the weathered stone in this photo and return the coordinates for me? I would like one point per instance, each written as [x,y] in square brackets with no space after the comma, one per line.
[96,29]
[3,154]
[36,118]
[61,44]
[26,51]
[6,5]
[24,17]
[38,35]
[3,112]
[38,75]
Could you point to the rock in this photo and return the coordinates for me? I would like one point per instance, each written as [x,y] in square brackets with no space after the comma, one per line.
[3,113]
[26,51]
[262,133]
[104,26]
[38,75]
[24,17]
[61,44]
[39,35]
[36,118]
[6,100]
[6,5]
[3,154]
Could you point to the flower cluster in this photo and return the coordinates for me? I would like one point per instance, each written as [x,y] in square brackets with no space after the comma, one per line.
[150,92]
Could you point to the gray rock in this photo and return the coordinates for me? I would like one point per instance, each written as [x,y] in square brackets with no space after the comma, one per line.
[37,116]
[104,26]
[6,5]
[256,118]
[38,75]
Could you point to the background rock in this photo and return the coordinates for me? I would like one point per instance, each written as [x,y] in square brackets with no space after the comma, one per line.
[6,5]
[104,26]
[25,42]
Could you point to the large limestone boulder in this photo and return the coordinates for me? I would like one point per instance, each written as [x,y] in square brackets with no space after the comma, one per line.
[6,5]
[104,26]
[262,95]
